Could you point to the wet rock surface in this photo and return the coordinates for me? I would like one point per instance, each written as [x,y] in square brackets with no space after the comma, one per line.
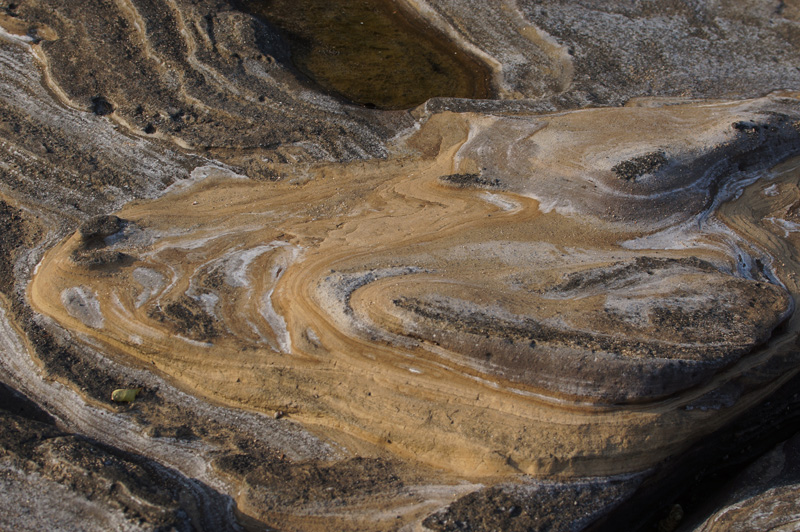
[374,52]
[548,310]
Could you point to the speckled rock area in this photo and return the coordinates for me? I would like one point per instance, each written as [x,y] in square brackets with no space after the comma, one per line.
[566,306]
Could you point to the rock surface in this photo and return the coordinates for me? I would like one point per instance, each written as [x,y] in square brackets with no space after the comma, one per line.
[505,314]
[764,497]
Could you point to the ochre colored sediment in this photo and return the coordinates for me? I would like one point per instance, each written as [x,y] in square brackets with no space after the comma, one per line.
[460,326]
[354,319]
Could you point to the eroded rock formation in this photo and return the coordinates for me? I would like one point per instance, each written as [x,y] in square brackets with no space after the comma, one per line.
[342,317]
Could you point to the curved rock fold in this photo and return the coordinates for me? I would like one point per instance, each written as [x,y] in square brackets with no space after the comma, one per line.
[478,313]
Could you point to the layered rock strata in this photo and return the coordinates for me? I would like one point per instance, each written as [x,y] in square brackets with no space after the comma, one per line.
[347,317]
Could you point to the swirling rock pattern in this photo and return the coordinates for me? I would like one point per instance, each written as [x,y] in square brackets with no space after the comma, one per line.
[381,281]
[546,299]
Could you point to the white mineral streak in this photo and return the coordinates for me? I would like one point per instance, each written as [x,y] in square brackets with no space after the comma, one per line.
[501,201]
[237,263]
[267,311]
[152,283]
[201,173]
[786,225]
[81,303]
[209,303]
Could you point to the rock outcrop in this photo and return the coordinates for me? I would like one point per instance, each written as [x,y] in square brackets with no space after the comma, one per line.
[500,313]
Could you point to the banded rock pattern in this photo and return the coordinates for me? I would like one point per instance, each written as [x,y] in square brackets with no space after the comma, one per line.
[301,297]
[524,298]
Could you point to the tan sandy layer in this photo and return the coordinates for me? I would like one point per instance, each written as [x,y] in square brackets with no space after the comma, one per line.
[461,326]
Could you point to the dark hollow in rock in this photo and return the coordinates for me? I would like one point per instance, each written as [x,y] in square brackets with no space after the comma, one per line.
[373,53]
[746,126]
[639,166]
[101,106]
[470,180]
[99,227]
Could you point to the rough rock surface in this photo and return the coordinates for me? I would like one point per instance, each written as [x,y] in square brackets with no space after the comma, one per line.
[502,314]
[764,496]
[77,484]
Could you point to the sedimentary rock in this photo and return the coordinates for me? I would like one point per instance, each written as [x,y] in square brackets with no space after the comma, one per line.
[342,316]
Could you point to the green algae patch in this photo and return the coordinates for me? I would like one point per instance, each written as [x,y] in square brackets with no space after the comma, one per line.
[372,53]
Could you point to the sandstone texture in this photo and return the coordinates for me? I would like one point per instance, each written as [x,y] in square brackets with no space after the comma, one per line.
[546,308]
